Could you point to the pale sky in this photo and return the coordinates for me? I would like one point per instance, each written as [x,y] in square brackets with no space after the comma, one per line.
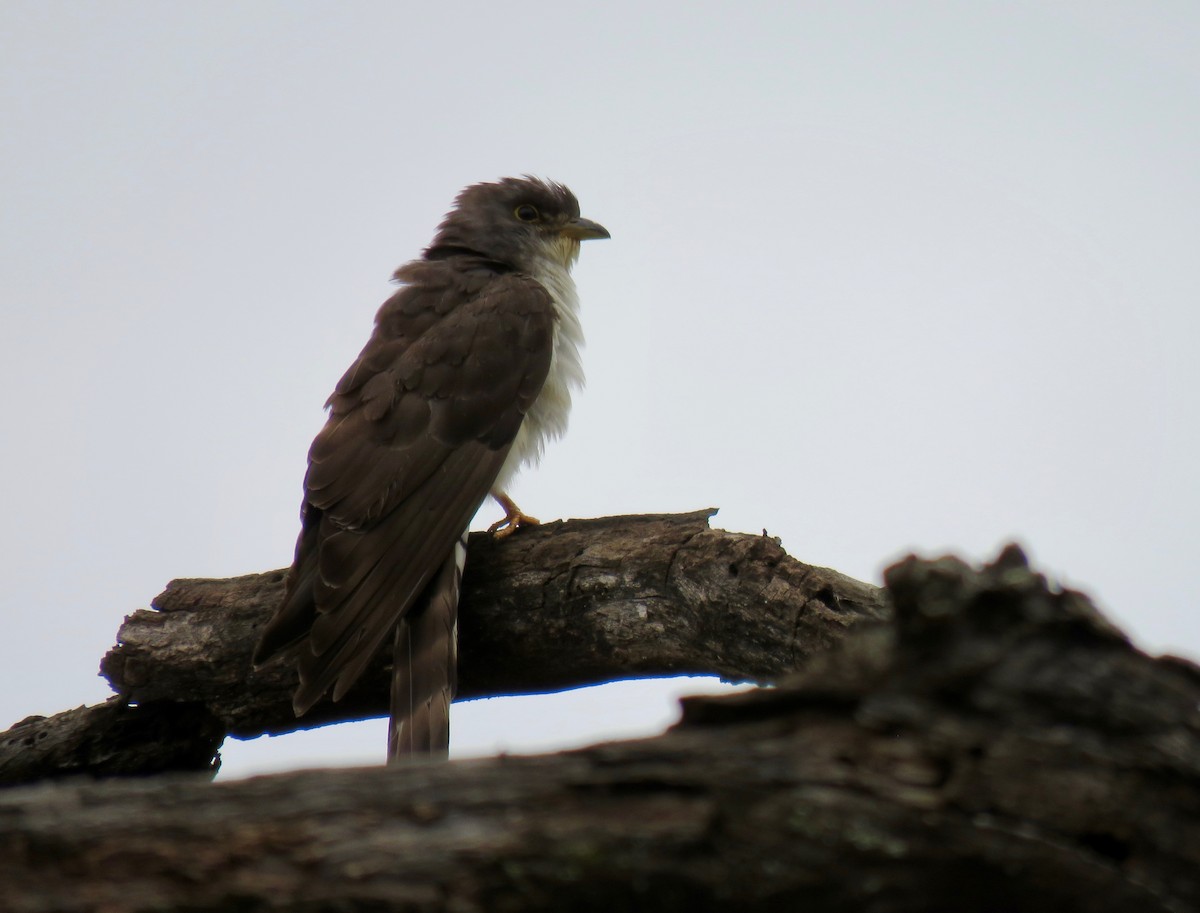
[883,277]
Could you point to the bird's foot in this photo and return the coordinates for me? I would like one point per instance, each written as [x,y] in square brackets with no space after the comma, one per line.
[514,518]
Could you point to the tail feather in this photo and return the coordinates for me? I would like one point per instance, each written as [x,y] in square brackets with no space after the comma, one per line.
[425,665]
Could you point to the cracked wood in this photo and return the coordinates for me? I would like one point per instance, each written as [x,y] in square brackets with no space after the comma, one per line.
[997,746]
[558,606]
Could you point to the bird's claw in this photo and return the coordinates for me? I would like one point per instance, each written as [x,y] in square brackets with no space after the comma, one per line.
[514,517]
[513,520]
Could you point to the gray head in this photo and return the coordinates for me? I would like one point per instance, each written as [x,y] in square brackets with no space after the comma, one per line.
[515,221]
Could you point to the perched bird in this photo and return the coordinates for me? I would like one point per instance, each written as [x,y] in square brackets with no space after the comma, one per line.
[467,375]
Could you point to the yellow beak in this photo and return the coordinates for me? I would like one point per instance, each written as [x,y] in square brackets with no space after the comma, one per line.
[585,230]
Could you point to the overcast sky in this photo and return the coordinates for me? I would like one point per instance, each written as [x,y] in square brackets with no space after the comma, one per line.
[883,277]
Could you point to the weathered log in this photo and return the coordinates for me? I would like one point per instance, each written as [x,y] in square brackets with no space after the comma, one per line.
[111,739]
[559,606]
[998,747]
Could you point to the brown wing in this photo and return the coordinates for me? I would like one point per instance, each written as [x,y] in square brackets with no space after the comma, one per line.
[418,429]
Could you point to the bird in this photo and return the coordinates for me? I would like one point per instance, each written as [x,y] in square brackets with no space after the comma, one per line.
[468,373]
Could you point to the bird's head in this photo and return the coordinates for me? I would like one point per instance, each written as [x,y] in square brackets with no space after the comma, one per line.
[516,221]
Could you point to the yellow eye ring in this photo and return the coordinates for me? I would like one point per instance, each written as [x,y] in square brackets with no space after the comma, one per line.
[527,213]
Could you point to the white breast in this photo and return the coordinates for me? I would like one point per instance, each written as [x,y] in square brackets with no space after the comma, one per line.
[547,418]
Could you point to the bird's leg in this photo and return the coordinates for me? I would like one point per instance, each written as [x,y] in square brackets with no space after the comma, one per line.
[514,517]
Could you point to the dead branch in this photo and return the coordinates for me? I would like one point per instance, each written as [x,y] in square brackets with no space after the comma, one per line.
[998,747]
[559,606]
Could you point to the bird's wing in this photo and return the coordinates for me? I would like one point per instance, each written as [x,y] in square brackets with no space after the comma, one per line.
[418,430]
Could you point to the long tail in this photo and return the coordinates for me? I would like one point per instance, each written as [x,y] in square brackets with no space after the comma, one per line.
[425,665]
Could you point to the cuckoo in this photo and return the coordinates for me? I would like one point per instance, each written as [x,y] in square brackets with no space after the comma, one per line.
[468,373]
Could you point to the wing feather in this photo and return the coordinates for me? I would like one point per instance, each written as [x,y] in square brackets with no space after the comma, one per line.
[418,430]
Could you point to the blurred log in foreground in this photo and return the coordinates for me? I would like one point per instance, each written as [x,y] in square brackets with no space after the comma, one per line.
[998,746]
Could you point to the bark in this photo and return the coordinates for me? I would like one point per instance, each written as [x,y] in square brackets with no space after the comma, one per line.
[997,746]
[111,739]
[558,606]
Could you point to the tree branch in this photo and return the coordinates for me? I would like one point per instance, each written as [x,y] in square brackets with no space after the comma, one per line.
[558,606]
[998,747]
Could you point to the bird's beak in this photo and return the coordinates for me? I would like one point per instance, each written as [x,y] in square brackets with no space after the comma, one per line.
[585,230]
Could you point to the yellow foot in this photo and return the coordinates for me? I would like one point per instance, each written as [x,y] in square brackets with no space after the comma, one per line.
[514,517]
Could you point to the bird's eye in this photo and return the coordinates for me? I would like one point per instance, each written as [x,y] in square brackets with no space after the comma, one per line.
[526,213]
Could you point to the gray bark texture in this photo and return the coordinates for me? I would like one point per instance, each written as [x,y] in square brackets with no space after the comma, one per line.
[559,606]
[994,745]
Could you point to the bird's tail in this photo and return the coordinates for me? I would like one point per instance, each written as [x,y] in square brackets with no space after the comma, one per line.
[425,665]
